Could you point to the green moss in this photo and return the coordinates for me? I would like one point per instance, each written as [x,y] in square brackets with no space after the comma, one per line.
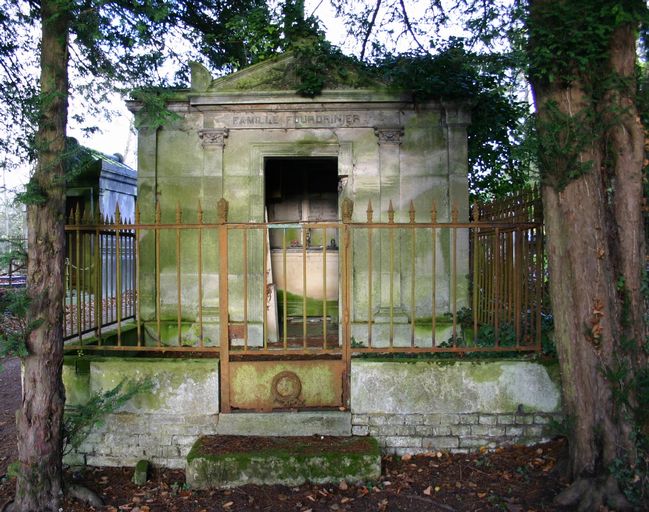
[128,336]
[552,367]
[486,372]
[314,307]
[291,461]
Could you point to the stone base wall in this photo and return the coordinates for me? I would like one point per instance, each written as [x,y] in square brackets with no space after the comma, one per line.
[402,434]
[410,407]
[459,406]
[125,438]
[159,424]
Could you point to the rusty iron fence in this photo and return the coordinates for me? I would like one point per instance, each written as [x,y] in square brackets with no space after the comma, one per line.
[409,282]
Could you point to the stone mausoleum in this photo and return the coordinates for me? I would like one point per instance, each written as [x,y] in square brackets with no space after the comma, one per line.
[282,158]
[283,234]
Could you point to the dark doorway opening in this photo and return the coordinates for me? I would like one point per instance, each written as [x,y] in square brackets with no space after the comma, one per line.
[301,194]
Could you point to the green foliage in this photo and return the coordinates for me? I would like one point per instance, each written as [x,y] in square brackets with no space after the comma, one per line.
[570,40]
[32,195]
[501,136]
[77,159]
[14,327]
[563,139]
[154,112]
[82,419]
[13,252]
[633,479]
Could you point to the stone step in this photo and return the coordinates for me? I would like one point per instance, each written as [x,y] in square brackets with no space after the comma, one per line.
[326,423]
[218,462]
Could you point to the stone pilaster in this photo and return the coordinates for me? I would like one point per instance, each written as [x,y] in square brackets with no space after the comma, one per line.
[390,308]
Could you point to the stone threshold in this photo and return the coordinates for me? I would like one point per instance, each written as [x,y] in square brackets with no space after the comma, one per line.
[221,462]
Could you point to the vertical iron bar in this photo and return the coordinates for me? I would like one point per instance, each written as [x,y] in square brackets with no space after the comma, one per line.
[497,285]
[433,276]
[454,280]
[369,280]
[324,286]
[138,295]
[346,330]
[517,268]
[526,269]
[157,273]
[285,292]
[539,283]
[77,271]
[391,230]
[412,286]
[245,288]
[98,284]
[100,272]
[476,282]
[224,338]
[201,331]
[304,242]
[82,281]
[118,276]
[178,277]
[265,293]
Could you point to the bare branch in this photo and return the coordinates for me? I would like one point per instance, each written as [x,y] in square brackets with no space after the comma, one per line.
[370,28]
[406,20]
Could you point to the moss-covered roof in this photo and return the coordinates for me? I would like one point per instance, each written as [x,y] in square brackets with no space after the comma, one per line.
[281,74]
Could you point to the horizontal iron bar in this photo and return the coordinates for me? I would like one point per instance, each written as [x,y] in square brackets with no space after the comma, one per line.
[124,348]
[125,228]
[387,350]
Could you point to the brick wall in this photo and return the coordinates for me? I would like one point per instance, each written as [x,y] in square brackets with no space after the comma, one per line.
[460,433]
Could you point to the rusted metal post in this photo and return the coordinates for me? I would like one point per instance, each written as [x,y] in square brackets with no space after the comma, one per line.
[199,218]
[137,297]
[224,337]
[413,231]
[391,221]
[118,274]
[454,220]
[158,299]
[347,208]
[77,271]
[324,286]
[304,242]
[245,289]
[433,235]
[370,277]
[178,276]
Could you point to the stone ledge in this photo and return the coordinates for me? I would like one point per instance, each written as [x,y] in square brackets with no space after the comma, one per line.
[282,460]
[327,423]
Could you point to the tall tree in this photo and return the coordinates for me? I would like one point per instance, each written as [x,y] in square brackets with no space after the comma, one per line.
[111,45]
[583,73]
[580,57]
[39,420]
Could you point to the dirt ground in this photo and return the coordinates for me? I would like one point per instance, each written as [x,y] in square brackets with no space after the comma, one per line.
[9,402]
[516,479]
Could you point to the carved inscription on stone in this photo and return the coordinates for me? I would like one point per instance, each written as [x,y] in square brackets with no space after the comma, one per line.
[291,120]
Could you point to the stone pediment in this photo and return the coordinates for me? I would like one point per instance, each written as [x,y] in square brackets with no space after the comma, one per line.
[275,74]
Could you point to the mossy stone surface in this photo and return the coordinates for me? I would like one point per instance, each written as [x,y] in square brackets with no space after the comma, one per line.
[291,463]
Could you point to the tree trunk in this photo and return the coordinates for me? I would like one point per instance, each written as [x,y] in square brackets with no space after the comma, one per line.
[596,253]
[40,418]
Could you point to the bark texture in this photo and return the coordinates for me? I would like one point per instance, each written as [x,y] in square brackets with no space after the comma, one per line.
[40,418]
[596,251]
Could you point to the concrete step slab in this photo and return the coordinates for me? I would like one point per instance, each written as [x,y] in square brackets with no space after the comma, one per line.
[325,423]
[218,462]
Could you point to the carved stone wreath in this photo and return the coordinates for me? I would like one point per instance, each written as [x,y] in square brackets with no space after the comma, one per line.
[286,389]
